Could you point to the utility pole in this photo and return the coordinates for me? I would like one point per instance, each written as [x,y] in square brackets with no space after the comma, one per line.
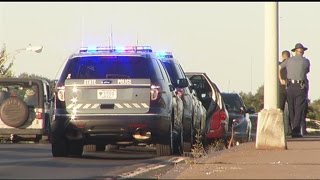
[251,75]
[270,130]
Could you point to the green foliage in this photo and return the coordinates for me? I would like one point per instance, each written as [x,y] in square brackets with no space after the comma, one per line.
[198,149]
[256,101]
[5,70]
[26,75]
[314,110]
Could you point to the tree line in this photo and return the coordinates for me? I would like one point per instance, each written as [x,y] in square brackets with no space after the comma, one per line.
[256,101]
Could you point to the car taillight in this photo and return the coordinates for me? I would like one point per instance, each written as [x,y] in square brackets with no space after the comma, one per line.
[39,113]
[179,92]
[154,92]
[222,115]
[236,122]
[60,93]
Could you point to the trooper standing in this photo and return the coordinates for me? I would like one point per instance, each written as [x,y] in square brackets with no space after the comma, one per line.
[283,92]
[297,68]
[283,76]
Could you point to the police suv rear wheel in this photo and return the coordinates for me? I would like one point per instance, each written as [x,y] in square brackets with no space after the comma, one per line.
[187,145]
[166,149]
[75,148]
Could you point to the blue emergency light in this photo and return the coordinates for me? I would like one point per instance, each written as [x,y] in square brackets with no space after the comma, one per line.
[117,49]
[163,55]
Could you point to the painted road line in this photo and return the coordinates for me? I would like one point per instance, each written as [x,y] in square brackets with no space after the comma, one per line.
[148,168]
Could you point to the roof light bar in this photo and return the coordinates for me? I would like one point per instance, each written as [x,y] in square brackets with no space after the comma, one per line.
[118,49]
[163,55]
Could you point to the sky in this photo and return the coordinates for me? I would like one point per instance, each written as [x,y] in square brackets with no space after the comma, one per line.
[223,39]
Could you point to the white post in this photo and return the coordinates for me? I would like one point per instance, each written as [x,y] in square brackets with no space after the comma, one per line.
[2,26]
[271,55]
[270,130]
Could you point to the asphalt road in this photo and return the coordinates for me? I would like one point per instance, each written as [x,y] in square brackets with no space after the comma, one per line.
[34,161]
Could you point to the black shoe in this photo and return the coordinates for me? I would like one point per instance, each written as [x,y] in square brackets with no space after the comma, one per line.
[296,136]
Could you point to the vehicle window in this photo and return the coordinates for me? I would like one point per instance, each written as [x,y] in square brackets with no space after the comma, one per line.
[196,80]
[205,92]
[100,67]
[202,86]
[173,71]
[232,101]
[28,93]
[163,71]
[181,70]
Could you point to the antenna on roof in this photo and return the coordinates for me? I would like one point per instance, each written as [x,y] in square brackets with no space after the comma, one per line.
[109,43]
[111,37]
[82,31]
[137,38]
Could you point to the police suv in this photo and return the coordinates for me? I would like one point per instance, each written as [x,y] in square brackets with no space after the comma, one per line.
[118,96]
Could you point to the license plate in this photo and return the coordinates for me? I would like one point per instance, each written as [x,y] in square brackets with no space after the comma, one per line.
[107,94]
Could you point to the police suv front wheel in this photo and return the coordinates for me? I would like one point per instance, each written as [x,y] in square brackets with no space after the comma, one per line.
[59,147]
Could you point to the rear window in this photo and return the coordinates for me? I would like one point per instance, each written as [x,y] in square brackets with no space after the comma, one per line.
[101,67]
[233,101]
[29,93]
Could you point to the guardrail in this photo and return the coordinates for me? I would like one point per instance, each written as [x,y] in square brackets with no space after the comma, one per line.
[316,122]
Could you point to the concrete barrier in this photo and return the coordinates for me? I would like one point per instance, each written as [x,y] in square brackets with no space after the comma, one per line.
[270,130]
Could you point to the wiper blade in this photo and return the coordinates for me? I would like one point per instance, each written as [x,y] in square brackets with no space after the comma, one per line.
[117,76]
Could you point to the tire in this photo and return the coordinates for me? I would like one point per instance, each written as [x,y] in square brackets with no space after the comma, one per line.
[59,147]
[178,145]
[187,146]
[75,148]
[47,129]
[14,112]
[166,149]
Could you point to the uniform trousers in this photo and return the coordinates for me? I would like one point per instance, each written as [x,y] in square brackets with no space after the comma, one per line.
[297,103]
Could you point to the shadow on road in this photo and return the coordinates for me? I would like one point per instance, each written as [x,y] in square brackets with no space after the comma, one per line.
[122,154]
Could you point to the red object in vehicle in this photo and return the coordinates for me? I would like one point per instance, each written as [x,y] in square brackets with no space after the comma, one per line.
[217,124]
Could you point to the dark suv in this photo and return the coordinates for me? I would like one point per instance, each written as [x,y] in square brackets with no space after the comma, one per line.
[117,96]
[238,117]
[192,107]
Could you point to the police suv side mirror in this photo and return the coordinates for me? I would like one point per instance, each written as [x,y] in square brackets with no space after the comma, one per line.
[171,87]
[182,83]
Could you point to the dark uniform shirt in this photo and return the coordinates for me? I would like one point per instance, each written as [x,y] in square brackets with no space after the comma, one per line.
[283,75]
